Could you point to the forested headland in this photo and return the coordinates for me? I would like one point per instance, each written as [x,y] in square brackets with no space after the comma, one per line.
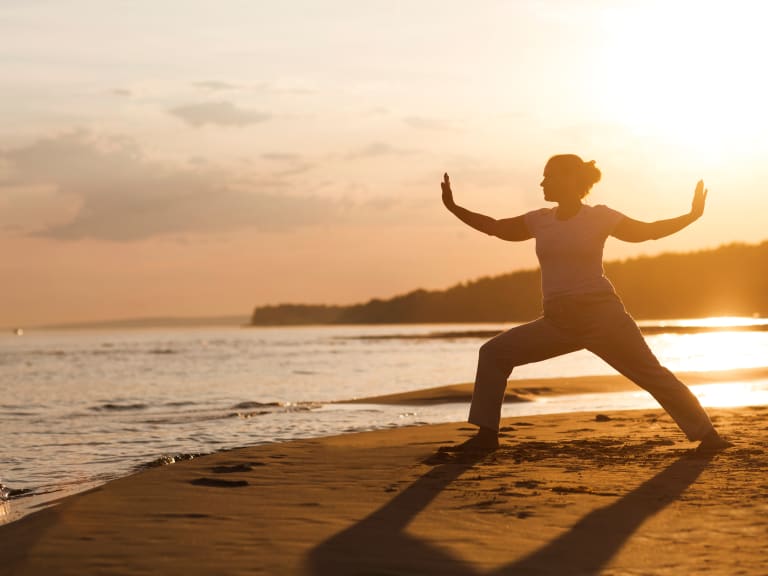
[731,280]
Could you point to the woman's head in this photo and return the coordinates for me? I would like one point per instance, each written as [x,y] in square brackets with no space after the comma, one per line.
[567,176]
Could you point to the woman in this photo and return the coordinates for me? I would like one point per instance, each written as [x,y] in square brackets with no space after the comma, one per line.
[581,308]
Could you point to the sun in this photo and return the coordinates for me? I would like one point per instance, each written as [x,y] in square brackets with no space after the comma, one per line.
[686,74]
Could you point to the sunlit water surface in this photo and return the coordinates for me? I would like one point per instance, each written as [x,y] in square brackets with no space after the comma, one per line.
[82,407]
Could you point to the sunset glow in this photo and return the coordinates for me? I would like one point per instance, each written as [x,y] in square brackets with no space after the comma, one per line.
[691,73]
[202,160]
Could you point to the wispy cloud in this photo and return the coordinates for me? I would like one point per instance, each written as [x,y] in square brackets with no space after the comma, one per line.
[215,85]
[288,164]
[376,149]
[281,157]
[124,197]
[424,123]
[220,113]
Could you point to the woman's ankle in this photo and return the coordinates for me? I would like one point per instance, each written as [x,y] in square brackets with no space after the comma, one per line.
[484,432]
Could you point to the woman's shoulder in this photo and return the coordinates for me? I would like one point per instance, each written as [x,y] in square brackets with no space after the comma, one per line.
[598,207]
[604,216]
[537,219]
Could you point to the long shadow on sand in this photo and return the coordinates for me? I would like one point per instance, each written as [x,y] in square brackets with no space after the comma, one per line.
[378,544]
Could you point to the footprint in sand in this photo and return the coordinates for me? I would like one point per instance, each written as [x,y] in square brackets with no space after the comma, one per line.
[217,483]
[243,467]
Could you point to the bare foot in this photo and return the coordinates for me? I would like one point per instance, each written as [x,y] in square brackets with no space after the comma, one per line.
[713,442]
[483,442]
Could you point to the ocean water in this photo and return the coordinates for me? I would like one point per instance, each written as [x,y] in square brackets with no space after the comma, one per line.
[78,408]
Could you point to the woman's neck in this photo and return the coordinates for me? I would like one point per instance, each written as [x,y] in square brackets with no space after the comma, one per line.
[568,209]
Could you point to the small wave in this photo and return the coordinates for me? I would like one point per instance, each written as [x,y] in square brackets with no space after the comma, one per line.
[301,406]
[119,407]
[104,351]
[246,415]
[166,459]
[251,409]
[247,405]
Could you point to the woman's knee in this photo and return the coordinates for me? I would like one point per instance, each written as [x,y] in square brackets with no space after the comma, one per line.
[489,350]
[492,354]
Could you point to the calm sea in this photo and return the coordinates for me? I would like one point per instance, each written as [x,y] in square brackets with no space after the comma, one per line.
[78,408]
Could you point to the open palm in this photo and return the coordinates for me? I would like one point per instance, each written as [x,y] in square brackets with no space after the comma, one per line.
[699,199]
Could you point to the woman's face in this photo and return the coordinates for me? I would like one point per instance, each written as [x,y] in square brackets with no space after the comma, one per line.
[559,184]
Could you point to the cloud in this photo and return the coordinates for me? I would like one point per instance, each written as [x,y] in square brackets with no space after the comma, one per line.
[281,156]
[376,149]
[290,164]
[215,85]
[422,123]
[378,111]
[219,113]
[124,197]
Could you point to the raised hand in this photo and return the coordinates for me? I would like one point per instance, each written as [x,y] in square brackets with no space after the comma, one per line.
[447,192]
[699,199]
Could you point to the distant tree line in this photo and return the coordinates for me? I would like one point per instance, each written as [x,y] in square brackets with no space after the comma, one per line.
[730,280]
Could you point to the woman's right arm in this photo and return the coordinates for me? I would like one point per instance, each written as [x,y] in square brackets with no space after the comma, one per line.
[511,229]
[631,230]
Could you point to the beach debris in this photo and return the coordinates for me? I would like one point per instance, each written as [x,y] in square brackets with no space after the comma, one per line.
[7,493]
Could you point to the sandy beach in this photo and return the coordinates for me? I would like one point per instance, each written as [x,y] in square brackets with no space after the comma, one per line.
[619,493]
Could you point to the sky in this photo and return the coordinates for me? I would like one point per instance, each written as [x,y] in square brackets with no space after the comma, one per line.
[199,158]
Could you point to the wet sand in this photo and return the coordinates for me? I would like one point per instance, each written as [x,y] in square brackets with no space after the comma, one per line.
[619,493]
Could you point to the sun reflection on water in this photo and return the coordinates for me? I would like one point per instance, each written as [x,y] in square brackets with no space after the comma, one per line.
[717,322]
[721,350]
[732,394]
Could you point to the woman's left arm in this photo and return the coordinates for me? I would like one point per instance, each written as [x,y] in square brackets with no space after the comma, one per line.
[631,230]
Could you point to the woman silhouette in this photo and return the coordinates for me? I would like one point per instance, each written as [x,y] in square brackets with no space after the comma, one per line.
[581,308]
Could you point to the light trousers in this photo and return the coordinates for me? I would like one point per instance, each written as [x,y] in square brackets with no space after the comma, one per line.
[600,324]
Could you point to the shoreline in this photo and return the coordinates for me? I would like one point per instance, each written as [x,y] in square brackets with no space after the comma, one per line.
[609,495]
[525,390]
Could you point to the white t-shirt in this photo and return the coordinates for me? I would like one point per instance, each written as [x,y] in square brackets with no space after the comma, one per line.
[570,251]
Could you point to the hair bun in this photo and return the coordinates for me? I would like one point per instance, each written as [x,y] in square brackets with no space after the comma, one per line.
[591,173]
